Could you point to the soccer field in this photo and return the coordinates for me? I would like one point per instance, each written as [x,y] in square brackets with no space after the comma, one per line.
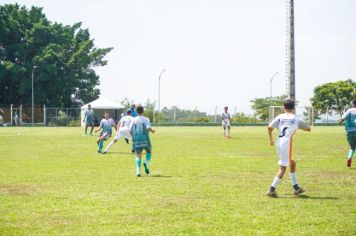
[53,182]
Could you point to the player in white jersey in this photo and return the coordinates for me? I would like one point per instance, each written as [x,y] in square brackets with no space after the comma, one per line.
[139,130]
[122,130]
[225,122]
[287,124]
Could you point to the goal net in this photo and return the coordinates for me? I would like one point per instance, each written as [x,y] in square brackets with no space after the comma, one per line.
[304,112]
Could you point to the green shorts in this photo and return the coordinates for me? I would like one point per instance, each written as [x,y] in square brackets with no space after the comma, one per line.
[351,138]
[140,149]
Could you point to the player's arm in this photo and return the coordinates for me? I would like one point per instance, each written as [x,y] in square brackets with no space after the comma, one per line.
[304,126]
[85,116]
[270,130]
[343,117]
[99,128]
[151,130]
[149,127]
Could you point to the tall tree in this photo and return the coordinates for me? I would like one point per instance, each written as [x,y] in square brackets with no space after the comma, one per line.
[64,56]
[261,105]
[334,96]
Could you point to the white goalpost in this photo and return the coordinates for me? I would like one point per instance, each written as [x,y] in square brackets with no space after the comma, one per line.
[305,112]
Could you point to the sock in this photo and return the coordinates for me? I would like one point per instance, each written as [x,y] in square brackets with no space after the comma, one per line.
[275,183]
[100,145]
[148,159]
[293,176]
[224,132]
[109,146]
[228,132]
[138,165]
[351,153]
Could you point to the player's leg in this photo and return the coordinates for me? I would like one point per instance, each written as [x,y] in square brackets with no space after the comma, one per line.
[86,128]
[92,128]
[138,161]
[109,146]
[351,138]
[228,132]
[224,128]
[147,161]
[101,140]
[293,176]
[277,179]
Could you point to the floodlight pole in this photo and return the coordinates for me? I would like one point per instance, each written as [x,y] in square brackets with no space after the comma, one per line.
[32,112]
[290,50]
[159,90]
[270,84]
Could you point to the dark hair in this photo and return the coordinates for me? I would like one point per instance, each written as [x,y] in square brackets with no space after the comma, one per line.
[289,104]
[353,102]
[129,112]
[139,109]
[226,108]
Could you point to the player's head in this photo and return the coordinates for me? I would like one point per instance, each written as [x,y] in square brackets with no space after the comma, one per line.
[106,115]
[289,104]
[225,109]
[140,109]
[353,103]
[129,112]
[89,107]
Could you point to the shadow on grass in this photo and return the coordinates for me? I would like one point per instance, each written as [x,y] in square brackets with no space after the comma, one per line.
[159,176]
[309,197]
[118,153]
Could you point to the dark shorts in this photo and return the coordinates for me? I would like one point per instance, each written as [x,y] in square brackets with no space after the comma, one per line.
[351,138]
[89,123]
[140,149]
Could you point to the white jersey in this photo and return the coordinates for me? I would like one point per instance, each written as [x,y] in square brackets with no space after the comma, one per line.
[225,119]
[287,124]
[125,122]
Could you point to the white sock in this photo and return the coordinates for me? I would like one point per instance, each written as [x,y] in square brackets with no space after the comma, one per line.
[109,146]
[293,176]
[276,182]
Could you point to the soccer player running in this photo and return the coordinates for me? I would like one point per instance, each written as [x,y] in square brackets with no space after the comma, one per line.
[106,125]
[133,114]
[139,129]
[89,120]
[287,124]
[122,130]
[350,125]
[226,120]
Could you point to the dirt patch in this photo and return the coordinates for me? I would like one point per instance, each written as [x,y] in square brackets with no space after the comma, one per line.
[20,190]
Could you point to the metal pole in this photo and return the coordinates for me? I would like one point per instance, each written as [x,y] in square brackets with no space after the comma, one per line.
[290,50]
[216,111]
[270,84]
[159,90]
[44,115]
[11,119]
[175,115]
[32,112]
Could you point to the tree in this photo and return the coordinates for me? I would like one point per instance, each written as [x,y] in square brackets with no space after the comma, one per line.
[334,96]
[261,105]
[65,57]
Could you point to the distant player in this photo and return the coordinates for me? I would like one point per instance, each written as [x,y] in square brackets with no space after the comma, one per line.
[106,125]
[122,130]
[287,124]
[139,129]
[133,114]
[350,125]
[89,120]
[226,121]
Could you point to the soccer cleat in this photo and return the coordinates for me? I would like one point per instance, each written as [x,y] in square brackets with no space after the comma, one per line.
[99,151]
[127,140]
[133,150]
[298,191]
[104,152]
[147,171]
[138,174]
[272,194]
[349,162]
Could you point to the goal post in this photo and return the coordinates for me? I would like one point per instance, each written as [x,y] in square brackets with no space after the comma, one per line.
[305,112]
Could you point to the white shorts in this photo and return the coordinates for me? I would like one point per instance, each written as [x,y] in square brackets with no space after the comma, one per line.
[284,150]
[123,133]
[225,123]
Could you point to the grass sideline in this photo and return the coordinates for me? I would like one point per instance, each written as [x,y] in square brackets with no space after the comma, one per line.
[53,183]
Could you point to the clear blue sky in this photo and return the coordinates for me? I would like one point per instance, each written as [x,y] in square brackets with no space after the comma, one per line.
[216,53]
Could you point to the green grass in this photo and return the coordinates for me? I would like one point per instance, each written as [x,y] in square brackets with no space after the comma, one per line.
[53,182]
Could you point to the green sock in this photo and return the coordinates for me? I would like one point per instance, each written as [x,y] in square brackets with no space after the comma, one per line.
[100,145]
[351,153]
[148,158]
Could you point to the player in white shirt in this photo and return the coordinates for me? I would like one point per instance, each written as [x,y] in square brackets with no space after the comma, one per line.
[122,130]
[287,124]
[225,122]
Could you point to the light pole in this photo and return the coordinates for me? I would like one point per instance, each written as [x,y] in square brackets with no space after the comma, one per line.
[159,90]
[270,84]
[32,112]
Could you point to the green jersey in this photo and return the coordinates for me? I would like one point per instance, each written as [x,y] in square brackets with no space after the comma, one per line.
[350,120]
[139,131]
[89,116]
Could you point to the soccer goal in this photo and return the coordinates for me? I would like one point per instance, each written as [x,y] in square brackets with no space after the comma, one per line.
[305,112]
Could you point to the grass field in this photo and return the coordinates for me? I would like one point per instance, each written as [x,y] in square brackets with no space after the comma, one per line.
[53,182]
